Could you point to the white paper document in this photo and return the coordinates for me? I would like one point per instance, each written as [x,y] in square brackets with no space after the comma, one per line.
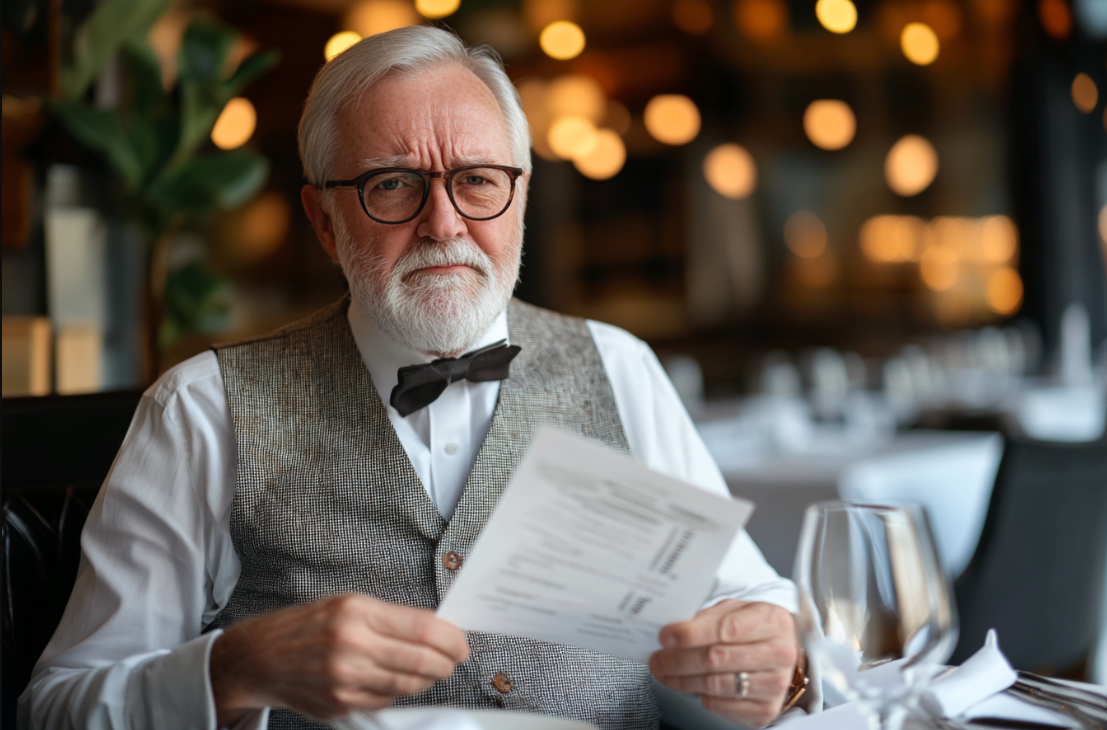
[589,548]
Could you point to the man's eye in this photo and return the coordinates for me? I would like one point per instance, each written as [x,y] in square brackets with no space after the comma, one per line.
[474,180]
[393,184]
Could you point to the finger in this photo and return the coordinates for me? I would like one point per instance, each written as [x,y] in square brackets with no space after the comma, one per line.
[762,685]
[405,657]
[721,658]
[728,622]
[420,626]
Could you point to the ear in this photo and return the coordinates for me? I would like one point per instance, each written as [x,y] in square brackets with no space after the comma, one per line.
[312,198]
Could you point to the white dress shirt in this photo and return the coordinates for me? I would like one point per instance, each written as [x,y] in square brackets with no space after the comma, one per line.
[157,561]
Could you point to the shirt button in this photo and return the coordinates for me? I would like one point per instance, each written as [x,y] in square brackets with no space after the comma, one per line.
[503,683]
[452,561]
[451,448]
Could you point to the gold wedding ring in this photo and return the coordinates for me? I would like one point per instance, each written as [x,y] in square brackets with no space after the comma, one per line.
[742,685]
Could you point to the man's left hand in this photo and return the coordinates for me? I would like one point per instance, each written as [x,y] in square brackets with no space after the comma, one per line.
[706,654]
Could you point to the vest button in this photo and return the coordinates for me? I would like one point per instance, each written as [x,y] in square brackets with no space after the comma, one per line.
[503,683]
[452,561]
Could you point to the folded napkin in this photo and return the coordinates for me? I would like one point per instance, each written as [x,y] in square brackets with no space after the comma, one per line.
[969,691]
[982,675]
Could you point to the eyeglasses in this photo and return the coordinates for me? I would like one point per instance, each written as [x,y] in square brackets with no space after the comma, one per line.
[396,195]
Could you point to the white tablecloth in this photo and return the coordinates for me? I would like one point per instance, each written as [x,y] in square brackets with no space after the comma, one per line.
[950,473]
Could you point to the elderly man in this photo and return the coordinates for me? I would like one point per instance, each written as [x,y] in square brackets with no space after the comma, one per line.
[286,512]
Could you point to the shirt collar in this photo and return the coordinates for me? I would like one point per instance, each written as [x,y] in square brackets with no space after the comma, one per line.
[384,356]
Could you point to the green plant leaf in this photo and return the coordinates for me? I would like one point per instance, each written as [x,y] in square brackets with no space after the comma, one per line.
[199,110]
[196,300]
[145,74]
[251,67]
[225,180]
[100,36]
[101,130]
[204,51]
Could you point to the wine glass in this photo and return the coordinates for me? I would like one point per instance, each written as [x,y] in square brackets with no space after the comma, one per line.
[876,614]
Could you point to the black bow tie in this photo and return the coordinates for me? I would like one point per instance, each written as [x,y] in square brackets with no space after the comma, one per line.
[420,385]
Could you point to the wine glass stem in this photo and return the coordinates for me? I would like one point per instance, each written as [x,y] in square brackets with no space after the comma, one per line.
[890,717]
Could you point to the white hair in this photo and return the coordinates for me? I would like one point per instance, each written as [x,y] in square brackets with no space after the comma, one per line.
[346,78]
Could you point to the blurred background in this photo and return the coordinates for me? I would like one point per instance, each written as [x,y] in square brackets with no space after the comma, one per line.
[867,238]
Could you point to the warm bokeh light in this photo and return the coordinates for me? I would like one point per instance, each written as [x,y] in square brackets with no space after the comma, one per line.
[829,124]
[805,235]
[235,124]
[731,171]
[761,20]
[370,17]
[1056,18]
[1085,94]
[605,158]
[339,42]
[254,232]
[911,165]
[562,39]
[837,16]
[437,8]
[919,43]
[818,272]
[892,238]
[570,137]
[575,95]
[939,268]
[1004,291]
[999,239]
[540,13]
[1103,224]
[693,16]
[672,118]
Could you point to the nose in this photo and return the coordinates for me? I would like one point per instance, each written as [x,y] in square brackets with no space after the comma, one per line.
[439,219]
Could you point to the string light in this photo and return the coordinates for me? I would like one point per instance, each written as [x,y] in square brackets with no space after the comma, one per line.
[575,95]
[570,137]
[1056,18]
[605,157]
[731,171]
[999,239]
[911,165]
[339,42]
[434,9]
[919,43]
[805,235]
[837,16]
[761,20]
[829,124]
[235,124]
[1085,94]
[370,17]
[1004,293]
[672,118]
[562,40]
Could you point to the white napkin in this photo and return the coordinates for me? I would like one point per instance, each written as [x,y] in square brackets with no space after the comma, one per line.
[982,675]
[968,691]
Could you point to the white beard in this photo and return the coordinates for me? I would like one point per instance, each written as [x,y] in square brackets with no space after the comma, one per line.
[439,314]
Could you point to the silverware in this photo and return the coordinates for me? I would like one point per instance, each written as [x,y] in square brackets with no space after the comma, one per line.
[1078,711]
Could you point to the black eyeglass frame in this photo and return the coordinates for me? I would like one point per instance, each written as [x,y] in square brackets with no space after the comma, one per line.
[447,176]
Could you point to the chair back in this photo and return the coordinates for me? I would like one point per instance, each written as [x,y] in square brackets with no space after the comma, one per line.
[1037,576]
[56,452]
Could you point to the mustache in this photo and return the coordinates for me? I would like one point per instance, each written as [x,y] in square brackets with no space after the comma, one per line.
[454,252]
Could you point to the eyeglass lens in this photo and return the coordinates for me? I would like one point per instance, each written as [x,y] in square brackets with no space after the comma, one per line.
[478,192]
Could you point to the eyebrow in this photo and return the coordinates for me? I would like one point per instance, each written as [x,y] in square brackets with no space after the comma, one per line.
[405,161]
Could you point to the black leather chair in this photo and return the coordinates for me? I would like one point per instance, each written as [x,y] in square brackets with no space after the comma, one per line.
[1037,576]
[56,452]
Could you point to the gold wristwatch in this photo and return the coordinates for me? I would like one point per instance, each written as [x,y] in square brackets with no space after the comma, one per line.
[799,685]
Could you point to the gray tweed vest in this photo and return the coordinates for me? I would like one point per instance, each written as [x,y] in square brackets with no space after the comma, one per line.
[327,502]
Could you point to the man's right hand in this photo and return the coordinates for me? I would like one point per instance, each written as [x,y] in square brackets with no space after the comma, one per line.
[331,657]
